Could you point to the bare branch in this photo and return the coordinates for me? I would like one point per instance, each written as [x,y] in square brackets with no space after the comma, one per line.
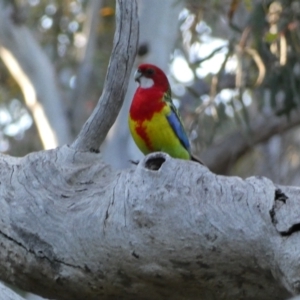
[118,75]
[86,66]
[221,156]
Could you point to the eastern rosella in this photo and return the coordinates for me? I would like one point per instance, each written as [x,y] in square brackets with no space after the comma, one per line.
[154,121]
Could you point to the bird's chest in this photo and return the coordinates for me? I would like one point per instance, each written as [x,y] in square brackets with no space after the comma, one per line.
[148,122]
[154,132]
[144,111]
[149,116]
[146,103]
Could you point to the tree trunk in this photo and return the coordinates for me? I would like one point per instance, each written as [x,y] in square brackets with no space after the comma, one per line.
[34,72]
[166,229]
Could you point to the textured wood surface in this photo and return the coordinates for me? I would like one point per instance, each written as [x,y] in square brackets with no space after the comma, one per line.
[124,50]
[71,228]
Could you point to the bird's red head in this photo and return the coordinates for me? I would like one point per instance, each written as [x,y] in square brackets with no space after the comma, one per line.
[151,73]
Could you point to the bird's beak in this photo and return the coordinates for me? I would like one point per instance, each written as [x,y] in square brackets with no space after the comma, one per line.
[137,75]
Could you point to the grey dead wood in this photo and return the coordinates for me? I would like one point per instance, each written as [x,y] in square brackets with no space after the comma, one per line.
[7,294]
[86,65]
[95,129]
[72,228]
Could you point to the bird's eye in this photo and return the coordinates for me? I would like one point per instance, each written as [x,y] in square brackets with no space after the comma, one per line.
[149,71]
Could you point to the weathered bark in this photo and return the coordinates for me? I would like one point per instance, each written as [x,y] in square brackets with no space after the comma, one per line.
[7,294]
[125,46]
[167,229]
[71,228]
[86,66]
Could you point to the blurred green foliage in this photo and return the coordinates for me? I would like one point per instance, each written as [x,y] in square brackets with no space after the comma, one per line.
[263,40]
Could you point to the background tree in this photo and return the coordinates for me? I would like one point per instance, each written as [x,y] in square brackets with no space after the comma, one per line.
[228,112]
[238,95]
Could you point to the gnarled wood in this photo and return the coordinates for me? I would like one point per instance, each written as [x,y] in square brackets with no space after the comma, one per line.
[71,228]
[125,46]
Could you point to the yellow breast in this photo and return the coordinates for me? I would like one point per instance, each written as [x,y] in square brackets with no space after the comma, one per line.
[157,135]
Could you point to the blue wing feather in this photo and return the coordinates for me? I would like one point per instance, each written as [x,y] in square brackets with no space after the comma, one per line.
[177,126]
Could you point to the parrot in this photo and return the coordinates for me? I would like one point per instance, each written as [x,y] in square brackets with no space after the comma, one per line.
[154,121]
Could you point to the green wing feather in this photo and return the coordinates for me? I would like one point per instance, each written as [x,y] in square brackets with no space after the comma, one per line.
[175,121]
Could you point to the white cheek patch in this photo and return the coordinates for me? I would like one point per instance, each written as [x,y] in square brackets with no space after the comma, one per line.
[146,83]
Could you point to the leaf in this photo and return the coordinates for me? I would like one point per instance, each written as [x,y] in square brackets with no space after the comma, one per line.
[271,37]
